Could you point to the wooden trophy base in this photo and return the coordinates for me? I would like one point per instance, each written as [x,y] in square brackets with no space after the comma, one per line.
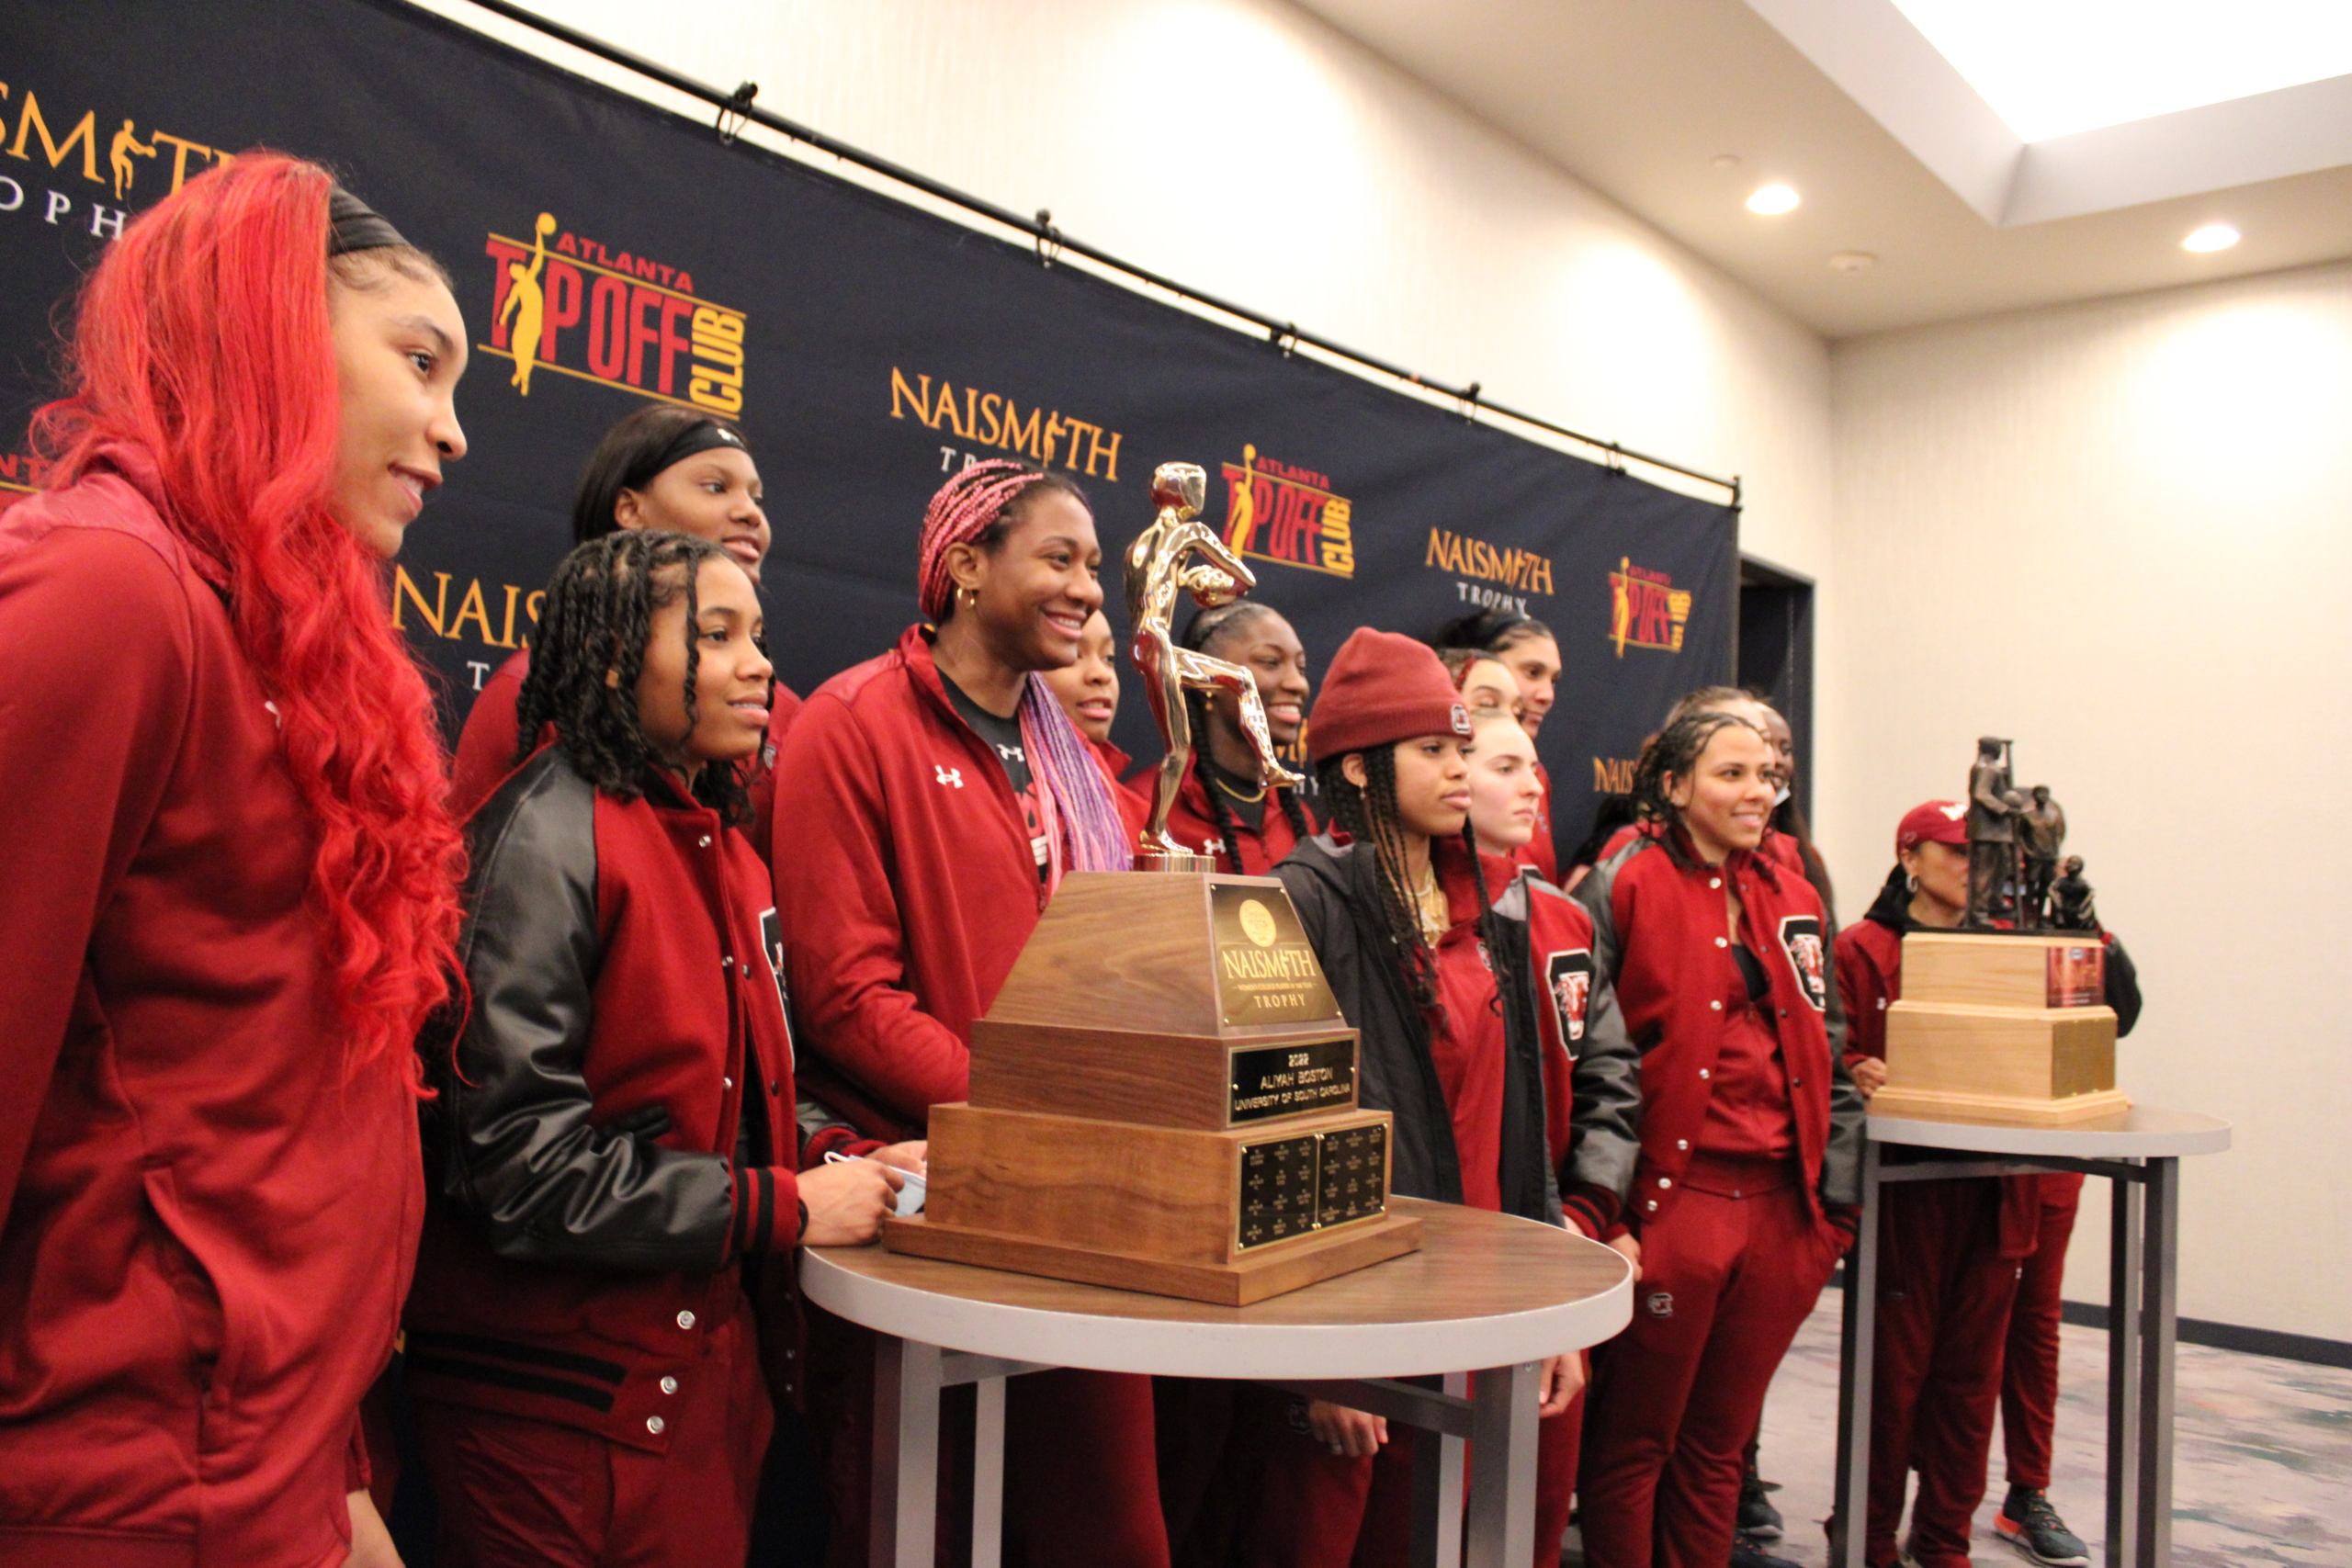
[2006,1110]
[2006,1029]
[1230,1216]
[1284,1267]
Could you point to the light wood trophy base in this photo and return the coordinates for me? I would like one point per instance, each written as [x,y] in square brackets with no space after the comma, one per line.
[2001,1028]
[1163,1099]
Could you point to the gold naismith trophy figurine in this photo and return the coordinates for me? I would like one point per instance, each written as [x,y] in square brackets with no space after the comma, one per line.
[1160,566]
[1163,1095]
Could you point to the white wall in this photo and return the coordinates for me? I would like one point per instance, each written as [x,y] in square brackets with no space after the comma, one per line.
[2117,532]
[1248,150]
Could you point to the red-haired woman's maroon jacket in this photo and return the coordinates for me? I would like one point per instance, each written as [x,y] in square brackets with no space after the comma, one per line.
[1658,935]
[621,1129]
[208,1217]
[904,875]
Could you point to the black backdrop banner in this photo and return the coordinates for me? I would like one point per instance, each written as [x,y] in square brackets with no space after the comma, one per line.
[607,252]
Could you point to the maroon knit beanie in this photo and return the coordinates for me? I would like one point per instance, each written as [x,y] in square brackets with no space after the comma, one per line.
[1382,687]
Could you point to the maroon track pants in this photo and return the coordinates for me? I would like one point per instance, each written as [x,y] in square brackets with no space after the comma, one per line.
[2030,1372]
[1081,1488]
[1725,1283]
[515,1492]
[1317,1509]
[1944,1292]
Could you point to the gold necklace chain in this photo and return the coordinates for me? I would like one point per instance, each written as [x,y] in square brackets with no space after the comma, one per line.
[1217,777]
[1433,921]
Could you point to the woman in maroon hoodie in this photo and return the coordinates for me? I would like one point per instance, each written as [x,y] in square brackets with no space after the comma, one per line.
[932,798]
[1751,1131]
[618,1153]
[228,884]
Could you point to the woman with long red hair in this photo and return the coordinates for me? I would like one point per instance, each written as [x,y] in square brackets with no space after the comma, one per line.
[228,884]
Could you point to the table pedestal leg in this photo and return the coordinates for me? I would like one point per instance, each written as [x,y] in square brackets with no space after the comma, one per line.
[1437,1490]
[988,1473]
[2123,1351]
[1503,1402]
[2159,1303]
[1856,1350]
[906,1453]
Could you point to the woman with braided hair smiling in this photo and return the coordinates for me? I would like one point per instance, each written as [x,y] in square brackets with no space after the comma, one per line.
[932,799]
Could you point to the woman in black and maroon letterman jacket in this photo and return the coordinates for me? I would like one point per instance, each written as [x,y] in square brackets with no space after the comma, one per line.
[618,1151]
[1479,1011]
[1751,1133]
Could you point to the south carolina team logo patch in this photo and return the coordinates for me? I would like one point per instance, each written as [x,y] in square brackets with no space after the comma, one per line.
[1568,981]
[1660,1304]
[1800,937]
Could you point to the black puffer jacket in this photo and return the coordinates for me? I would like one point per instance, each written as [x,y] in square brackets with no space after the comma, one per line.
[1331,887]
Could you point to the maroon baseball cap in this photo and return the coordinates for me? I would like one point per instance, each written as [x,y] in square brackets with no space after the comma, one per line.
[1382,687]
[1935,822]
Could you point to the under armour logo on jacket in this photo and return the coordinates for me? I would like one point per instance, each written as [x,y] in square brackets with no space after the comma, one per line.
[1012,754]
[949,775]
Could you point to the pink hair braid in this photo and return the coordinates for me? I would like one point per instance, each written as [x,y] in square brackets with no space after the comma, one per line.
[960,512]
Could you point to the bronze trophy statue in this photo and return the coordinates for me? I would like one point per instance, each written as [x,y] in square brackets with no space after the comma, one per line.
[1162,564]
[2041,830]
[1991,836]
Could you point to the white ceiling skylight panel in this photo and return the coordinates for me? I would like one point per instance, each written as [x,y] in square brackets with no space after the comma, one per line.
[2051,68]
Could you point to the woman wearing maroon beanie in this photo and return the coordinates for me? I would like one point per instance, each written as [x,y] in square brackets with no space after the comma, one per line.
[1446,962]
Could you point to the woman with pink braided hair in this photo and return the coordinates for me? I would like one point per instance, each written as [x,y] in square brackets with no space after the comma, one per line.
[927,804]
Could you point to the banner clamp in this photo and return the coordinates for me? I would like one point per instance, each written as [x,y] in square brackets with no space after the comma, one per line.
[1049,239]
[736,108]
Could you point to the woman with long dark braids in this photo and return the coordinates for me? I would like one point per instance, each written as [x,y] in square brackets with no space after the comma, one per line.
[1223,810]
[618,1163]
[1469,984]
[1751,1133]
[228,883]
[933,799]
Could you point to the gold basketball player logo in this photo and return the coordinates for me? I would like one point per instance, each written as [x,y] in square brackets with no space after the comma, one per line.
[1257,922]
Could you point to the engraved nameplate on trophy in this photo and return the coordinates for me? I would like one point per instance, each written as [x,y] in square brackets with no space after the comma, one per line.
[1287,1080]
[1292,1186]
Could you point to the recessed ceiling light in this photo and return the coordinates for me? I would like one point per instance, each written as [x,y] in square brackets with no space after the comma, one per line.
[2213,237]
[1853,261]
[1772,200]
[1727,159]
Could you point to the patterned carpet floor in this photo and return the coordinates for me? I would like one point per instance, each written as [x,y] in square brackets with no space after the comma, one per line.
[2262,1470]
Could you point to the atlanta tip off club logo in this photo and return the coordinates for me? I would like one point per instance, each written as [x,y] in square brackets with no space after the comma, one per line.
[579,308]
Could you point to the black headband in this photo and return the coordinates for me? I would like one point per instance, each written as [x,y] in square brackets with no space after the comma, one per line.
[700,436]
[353,225]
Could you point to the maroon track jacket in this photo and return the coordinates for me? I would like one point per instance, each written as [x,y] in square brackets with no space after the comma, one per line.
[209,1224]
[906,881]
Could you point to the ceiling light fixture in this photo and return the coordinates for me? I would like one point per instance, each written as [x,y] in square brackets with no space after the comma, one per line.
[2213,237]
[1772,200]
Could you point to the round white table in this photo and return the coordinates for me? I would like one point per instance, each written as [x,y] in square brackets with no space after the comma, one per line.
[1486,1294]
[2140,1153]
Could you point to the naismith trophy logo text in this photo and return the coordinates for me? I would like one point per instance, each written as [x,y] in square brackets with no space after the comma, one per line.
[575,308]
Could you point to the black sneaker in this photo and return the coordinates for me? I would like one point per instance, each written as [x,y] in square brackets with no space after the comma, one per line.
[1758,1517]
[1745,1552]
[2028,1523]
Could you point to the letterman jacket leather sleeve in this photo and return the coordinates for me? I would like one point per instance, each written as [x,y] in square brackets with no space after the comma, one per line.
[546,1186]
[1841,1157]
